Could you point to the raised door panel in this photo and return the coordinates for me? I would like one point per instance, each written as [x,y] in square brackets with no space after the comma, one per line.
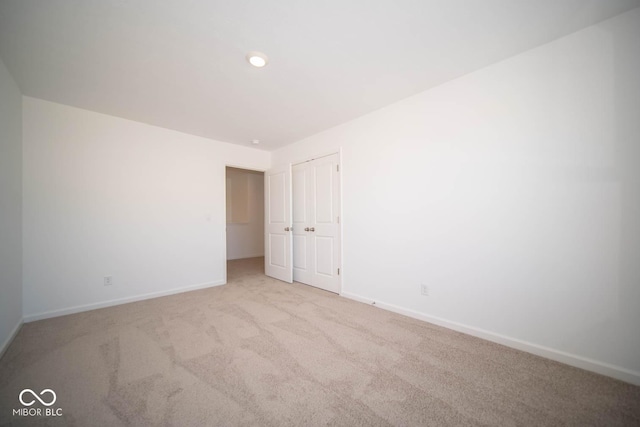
[278,250]
[324,208]
[299,195]
[300,261]
[324,256]
[301,188]
[276,190]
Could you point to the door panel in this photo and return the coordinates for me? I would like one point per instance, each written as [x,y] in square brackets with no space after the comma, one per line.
[302,187]
[324,255]
[299,194]
[277,224]
[299,254]
[277,190]
[323,192]
[278,250]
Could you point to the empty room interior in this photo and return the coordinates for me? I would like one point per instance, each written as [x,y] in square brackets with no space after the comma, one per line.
[286,213]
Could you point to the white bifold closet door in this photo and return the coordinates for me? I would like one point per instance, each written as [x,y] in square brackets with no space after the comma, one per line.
[316,223]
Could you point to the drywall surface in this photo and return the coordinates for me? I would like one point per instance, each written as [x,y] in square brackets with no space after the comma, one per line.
[10,207]
[512,192]
[245,229]
[104,196]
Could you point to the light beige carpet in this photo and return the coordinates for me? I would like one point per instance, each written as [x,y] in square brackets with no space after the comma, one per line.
[261,352]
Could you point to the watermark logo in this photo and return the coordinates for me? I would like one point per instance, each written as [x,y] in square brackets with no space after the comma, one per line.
[36,397]
[28,398]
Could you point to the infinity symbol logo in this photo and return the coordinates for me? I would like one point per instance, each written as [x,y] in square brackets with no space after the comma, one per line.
[46,390]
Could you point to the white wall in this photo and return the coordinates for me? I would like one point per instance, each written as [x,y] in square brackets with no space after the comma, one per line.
[10,207]
[514,193]
[246,239]
[104,196]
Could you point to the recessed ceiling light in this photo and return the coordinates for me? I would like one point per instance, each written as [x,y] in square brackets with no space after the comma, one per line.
[255,141]
[257,59]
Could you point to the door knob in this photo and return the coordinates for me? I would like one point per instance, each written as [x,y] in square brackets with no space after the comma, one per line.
[312,229]
[306,229]
[286,229]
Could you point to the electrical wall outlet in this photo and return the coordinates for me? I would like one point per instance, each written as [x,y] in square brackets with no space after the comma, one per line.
[424,290]
[108,280]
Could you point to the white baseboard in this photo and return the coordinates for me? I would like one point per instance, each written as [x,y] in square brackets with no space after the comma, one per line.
[94,306]
[602,368]
[12,335]
[245,257]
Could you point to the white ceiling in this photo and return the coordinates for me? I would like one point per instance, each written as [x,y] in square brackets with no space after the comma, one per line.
[180,64]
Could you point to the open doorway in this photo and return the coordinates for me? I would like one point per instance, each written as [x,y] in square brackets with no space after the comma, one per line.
[245,221]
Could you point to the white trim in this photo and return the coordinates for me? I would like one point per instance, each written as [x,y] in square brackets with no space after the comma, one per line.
[119,301]
[11,337]
[238,166]
[223,209]
[320,155]
[602,368]
[246,256]
[341,223]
